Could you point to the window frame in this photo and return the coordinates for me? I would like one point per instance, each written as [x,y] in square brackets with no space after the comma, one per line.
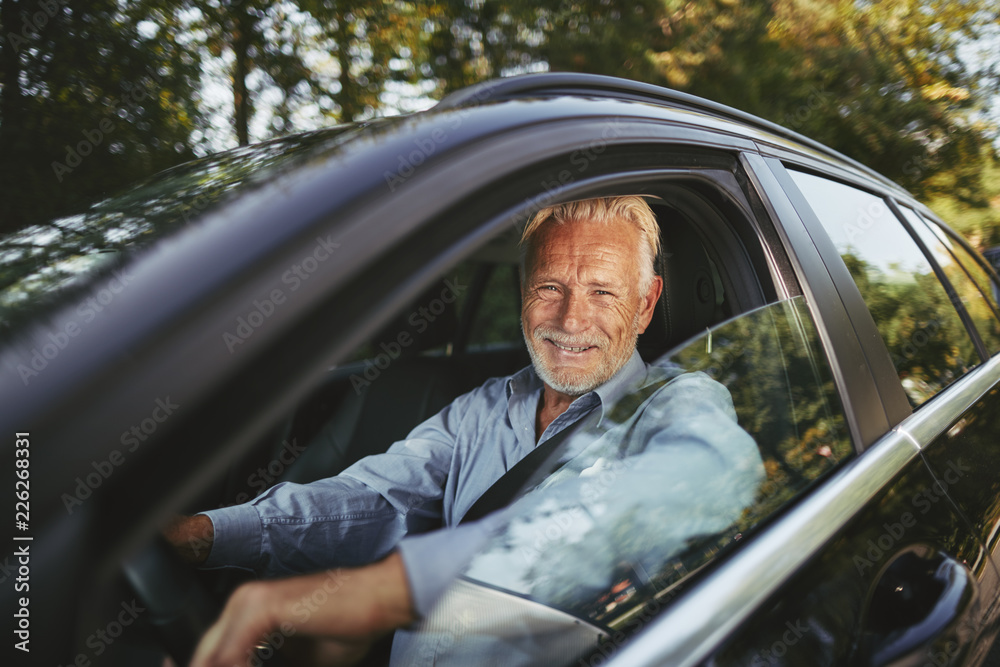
[864,377]
[950,290]
[936,225]
[890,386]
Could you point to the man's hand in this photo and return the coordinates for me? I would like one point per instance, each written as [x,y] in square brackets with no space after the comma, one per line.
[191,537]
[340,612]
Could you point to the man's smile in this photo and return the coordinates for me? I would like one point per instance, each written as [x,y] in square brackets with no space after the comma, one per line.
[571,348]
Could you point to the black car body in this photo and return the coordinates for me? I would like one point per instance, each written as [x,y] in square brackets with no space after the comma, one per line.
[175,348]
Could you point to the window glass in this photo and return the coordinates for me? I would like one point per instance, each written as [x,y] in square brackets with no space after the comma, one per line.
[970,281]
[987,285]
[925,336]
[497,322]
[717,436]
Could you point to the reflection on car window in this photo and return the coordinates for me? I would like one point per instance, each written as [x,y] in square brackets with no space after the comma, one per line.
[45,264]
[970,281]
[720,434]
[925,336]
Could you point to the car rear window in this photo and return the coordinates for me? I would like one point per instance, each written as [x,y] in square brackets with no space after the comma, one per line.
[972,283]
[923,332]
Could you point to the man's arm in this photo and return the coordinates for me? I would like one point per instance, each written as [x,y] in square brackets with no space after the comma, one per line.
[342,611]
[191,537]
[349,520]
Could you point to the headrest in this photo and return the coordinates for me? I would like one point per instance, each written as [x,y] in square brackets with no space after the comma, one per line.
[687,306]
[428,322]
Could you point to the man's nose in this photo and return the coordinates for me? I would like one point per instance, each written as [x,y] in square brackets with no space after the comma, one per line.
[575,315]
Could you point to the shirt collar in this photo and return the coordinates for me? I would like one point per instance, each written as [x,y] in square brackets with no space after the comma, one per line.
[628,377]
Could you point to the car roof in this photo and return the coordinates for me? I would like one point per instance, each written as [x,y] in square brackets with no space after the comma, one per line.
[583,87]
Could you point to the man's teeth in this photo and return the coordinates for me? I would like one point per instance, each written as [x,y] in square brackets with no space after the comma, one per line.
[571,349]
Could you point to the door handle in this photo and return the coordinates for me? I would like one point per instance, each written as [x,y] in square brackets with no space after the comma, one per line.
[919,602]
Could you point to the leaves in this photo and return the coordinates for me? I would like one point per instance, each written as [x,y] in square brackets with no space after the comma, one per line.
[881,81]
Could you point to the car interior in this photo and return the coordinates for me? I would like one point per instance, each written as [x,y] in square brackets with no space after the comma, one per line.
[453,348]
[465,328]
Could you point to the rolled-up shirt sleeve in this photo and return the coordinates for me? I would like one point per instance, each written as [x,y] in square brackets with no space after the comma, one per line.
[299,528]
[348,520]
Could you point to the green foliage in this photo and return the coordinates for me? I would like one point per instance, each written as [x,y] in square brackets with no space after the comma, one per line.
[90,100]
[978,221]
[879,81]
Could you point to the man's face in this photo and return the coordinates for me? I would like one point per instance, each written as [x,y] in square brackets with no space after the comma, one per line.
[581,309]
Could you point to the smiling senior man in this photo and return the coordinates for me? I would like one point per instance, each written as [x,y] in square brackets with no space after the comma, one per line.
[588,290]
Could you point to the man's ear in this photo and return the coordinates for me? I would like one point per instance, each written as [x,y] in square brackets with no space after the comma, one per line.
[648,303]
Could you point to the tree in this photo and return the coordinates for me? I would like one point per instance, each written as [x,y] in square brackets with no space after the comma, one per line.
[466,41]
[94,95]
[612,37]
[322,58]
[880,81]
[374,43]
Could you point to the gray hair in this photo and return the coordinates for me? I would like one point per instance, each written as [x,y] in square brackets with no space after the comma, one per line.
[604,210]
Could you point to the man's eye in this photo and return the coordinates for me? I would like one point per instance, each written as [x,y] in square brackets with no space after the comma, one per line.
[601,292]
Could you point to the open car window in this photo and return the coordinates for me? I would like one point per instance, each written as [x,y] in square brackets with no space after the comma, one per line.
[721,434]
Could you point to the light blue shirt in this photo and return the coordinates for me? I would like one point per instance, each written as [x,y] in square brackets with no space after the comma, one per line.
[434,476]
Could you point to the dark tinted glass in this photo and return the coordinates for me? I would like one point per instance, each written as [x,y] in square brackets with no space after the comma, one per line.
[929,345]
[967,277]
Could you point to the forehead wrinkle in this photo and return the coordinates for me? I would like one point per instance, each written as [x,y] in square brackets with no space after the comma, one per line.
[612,262]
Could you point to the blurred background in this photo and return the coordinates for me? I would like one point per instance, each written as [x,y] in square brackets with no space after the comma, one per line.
[95,94]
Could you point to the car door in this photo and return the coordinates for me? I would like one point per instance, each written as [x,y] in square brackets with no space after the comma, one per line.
[896,575]
[849,553]
[865,561]
[227,325]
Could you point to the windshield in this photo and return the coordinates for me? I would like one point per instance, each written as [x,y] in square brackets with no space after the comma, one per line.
[647,492]
[48,264]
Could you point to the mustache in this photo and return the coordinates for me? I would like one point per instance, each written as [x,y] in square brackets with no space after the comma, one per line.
[543,332]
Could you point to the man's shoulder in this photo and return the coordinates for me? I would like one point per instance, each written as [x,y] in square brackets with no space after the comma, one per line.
[495,388]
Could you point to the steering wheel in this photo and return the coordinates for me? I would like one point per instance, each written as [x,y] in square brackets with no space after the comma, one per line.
[180,609]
